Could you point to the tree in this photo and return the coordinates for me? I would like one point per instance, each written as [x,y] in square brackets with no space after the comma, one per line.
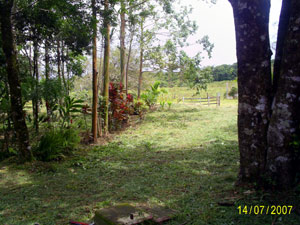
[95,75]
[224,72]
[174,65]
[9,50]
[142,21]
[268,118]
[106,25]
[62,24]
[47,72]
[132,31]
[122,40]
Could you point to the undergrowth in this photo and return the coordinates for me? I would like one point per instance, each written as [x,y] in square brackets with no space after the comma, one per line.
[56,143]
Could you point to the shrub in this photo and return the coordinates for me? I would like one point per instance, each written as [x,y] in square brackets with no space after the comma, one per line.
[169,104]
[139,108]
[120,106]
[162,104]
[151,95]
[149,98]
[56,144]
[5,151]
[233,92]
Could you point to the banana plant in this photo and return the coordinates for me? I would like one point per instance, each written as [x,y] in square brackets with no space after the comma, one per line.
[151,95]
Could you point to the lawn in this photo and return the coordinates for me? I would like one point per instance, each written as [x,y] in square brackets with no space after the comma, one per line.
[185,158]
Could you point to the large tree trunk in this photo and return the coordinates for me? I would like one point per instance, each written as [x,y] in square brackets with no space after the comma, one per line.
[122,42]
[282,158]
[254,84]
[9,50]
[141,59]
[95,75]
[106,68]
[268,119]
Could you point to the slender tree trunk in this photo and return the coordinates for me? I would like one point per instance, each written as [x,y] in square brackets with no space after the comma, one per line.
[106,69]
[100,80]
[59,67]
[68,73]
[9,50]
[31,70]
[254,84]
[36,79]
[141,59]
[58,60]
[283,159]
[47,71]
[63,59]
[95,75]
[122,41]
[128,62]
[30,59]
[99,85]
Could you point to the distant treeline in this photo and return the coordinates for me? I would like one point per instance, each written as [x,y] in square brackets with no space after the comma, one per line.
[224,72]
[202,76]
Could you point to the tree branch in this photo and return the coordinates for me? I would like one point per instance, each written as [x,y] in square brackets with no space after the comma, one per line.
[137,5]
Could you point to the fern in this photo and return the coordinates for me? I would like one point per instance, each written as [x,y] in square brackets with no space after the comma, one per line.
[56,143]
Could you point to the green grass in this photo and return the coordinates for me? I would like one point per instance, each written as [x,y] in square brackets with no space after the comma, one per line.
[185,158]
[177,93]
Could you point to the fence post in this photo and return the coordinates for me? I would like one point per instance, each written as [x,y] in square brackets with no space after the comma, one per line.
[219,98]
[200,101]
[182,99]
[207,99]
[226,90]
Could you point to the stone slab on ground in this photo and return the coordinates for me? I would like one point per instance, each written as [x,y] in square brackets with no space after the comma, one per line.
[126,214]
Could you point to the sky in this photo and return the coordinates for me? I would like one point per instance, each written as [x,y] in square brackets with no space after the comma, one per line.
[216,21]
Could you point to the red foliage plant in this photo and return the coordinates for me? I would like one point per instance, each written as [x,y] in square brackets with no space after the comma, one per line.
[121,106]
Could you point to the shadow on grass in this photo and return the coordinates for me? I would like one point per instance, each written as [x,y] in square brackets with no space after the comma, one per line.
[54,193]
[189,180]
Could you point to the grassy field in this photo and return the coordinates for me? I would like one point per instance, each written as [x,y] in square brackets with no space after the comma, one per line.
[175,94]
[185,158]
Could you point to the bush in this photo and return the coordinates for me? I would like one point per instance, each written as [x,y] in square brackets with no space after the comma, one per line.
[169,104]
[56,144]
[121,106]
[151,95]
[149,98]
[233,92]
[5,151]
[139,108]
[162,104]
